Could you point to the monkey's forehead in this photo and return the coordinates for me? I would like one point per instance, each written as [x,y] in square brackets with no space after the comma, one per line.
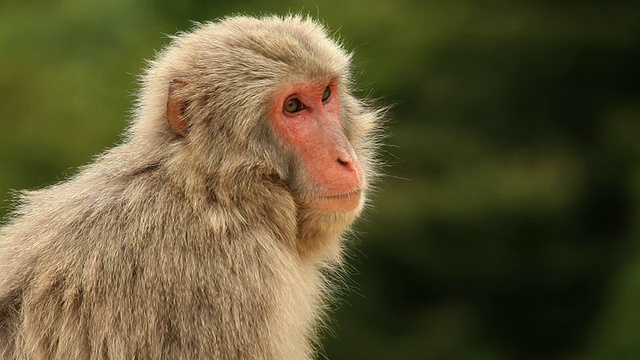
[270,45]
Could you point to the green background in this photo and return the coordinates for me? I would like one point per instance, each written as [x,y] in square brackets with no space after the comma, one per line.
[507,226]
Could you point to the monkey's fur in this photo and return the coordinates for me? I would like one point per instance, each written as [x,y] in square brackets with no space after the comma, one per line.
[195,247]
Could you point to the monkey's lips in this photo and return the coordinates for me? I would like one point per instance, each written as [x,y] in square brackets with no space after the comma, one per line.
[343,202]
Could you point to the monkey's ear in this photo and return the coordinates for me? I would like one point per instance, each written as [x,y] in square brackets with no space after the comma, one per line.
[175,108]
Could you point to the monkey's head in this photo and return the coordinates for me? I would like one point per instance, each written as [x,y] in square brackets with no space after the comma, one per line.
[269,97]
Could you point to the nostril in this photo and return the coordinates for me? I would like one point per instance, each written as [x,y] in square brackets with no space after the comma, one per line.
[343,162]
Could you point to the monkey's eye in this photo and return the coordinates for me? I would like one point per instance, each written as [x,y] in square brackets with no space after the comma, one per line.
[326,93]
[293,105]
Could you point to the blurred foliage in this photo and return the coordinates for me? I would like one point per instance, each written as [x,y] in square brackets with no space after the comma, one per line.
[508,225]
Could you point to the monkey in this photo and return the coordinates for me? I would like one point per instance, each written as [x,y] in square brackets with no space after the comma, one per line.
[209,231]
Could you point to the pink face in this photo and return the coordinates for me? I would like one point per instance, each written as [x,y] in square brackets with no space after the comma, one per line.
[308,118]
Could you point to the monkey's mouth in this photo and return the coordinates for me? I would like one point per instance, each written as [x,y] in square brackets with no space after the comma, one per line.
[343,195]
[344,202]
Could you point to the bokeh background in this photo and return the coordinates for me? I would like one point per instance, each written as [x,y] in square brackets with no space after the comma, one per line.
[507,226]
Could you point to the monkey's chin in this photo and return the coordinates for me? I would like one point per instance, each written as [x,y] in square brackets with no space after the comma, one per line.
[341,203]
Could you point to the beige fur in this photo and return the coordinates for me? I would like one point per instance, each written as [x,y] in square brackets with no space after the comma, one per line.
[195,247]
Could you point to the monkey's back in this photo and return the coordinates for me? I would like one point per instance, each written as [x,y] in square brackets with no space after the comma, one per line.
[101,266]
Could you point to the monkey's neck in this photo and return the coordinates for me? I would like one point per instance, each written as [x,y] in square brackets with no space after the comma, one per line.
[255,191]
[320,235]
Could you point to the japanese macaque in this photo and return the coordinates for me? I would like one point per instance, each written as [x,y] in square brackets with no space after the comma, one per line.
[208,232]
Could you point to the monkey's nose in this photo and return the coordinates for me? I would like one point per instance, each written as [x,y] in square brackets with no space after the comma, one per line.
[346,161]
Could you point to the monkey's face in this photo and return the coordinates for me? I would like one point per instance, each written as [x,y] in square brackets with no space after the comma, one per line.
[306,116]
[269,100]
